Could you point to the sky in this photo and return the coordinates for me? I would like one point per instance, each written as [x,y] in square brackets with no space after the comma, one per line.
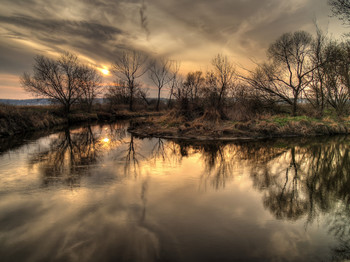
[189,31]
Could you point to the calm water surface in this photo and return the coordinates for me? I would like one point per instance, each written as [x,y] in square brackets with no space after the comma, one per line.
[96,193]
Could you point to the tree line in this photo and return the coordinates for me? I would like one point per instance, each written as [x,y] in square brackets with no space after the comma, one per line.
[299,67]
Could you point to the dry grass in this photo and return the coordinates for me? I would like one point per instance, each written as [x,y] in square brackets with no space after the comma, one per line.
[210,125]
[21,119]
[14,119]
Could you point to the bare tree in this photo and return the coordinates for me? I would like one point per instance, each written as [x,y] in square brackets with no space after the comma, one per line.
[287,74]
[193,83]
[56,79]
[159,73]
[341,8]
[129,66]
[260,79]
[217,85]
[90,83]
[143,94]
[337,76]
[316,92]
[183,96]
[174,80]
[118,93]
[225,73]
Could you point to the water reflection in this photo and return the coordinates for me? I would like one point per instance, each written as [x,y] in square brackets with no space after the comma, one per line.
[310,180]
[72,153]
[125,199]
[296,179]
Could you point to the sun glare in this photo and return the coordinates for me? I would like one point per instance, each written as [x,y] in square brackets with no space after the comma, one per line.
[105,71]
[106,140]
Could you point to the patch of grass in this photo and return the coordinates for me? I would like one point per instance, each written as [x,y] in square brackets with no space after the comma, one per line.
[284,120]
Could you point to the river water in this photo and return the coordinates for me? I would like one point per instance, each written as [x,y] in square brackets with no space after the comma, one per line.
[96,193]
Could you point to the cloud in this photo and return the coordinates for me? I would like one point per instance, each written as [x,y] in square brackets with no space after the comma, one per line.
[190,31]
[143,18]
[85,29]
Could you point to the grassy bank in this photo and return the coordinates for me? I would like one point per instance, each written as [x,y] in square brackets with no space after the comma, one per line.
[171,126]
[21,119]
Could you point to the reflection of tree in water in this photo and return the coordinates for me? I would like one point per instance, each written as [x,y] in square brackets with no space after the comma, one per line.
[309,180]
[219,163]
[283,185]
[303,179]
[339,226]
[168,151]
[221,160]
[73,152]
[132,164]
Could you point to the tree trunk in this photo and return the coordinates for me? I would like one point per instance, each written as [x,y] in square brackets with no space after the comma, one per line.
[157,107]
[171,94]
[131,99]
[295,106]
[67,109]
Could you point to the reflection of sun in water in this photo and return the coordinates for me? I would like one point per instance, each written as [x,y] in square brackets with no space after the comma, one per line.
[105,140]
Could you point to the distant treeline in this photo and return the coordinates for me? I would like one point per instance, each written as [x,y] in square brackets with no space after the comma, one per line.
[37,101]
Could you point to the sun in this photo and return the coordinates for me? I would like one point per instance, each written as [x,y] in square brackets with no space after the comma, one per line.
[105,71]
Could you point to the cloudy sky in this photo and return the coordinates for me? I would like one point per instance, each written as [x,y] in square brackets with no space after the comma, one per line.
[190,31]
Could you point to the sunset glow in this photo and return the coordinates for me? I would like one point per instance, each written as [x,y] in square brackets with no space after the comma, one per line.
[104,71]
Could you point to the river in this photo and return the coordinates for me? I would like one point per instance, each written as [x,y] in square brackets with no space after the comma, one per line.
[97,193]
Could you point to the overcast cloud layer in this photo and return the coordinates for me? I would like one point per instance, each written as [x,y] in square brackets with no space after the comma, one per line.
[191,31]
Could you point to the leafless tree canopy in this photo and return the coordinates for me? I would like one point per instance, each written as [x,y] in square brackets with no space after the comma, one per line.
[130,66]
[341,8]
[225,74]
[316,91]
[175,80]
[160,74]
[286,75]
[90,85]
[193,84]
[337,75]
[63,80]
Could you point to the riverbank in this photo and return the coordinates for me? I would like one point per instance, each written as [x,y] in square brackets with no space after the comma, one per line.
[21,119]
[171,127]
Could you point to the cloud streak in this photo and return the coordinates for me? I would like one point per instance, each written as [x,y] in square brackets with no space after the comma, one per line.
[143,18]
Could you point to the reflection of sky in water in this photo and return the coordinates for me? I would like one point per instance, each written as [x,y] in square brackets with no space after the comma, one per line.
[96,193]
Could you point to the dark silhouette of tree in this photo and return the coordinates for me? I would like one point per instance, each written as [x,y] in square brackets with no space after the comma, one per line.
[187,92]
[143,94]
[128,67]
[160,74]
[316,92]
[175,81]
[90,84]
[192,85]
[224,72]
[118,93]
[56,79]
[341,8]
[287,74]
[337,76]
